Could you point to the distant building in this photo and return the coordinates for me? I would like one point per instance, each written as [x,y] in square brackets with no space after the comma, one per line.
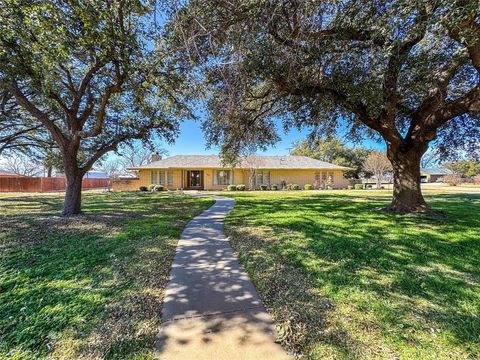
[434,174]
[96,174]
[4,173]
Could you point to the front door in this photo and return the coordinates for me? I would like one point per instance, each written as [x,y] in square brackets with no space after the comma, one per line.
[195,179]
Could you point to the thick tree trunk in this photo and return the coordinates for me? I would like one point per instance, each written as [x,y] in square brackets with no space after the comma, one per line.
[73,193]
[407,193]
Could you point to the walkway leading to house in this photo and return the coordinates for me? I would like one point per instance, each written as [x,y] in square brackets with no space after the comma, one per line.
[211,309]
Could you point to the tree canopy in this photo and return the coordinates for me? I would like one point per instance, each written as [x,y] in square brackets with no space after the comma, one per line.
[403,71]
[334,151]
[91,74]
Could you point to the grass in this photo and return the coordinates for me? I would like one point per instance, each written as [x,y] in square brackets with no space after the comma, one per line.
[90,286]
[344,281]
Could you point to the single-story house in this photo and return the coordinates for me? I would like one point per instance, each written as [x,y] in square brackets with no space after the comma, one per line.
[434,174]
[206,172]
[5,173]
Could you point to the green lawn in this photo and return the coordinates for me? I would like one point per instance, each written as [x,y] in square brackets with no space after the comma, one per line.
[345,281]
[90,286]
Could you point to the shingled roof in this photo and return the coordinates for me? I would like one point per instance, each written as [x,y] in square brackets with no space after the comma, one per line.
[261,162]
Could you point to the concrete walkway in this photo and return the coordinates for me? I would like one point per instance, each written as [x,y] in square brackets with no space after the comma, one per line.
[211,309]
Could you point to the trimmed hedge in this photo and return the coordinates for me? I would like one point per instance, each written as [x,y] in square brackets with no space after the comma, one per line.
[350,187]
[159,188]
[151,187]
[263,187]
[143,188]
[308,187]
[358,186]
[241,187]
[274,187]
[232,187]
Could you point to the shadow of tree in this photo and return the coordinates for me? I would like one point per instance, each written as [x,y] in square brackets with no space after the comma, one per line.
[401,277]
[91,285]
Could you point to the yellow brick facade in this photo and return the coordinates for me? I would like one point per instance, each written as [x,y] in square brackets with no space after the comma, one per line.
[178,177]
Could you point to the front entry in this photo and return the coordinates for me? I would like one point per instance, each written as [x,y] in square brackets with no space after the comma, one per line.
[195,179]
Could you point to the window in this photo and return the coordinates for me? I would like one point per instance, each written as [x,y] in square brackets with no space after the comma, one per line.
[330,177]
[162,177]
[222,177]
[262,177]
[170,177]
[154,178]
[324,176]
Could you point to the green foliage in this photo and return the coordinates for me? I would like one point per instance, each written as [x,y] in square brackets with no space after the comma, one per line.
[151,187]
[383,281]
[93,74]
[350,187]
[65,282]
[159,188]
[263,187]
[231,187]
[308,187]
[358,186]
[295,187]
[289,186]
[464,167]
[274,187]
[241,187]
[334,151]
[143,188]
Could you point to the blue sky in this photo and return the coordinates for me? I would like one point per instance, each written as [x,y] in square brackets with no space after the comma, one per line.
[192,141]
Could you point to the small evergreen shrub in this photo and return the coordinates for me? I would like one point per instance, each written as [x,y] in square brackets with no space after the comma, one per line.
[358,186]
[308,187]
[241,187]
[350,187]
[151,187]
[274,187]
[159,188]
[289,186]
[295,187]
[263,187]
[142,188]
[232,187]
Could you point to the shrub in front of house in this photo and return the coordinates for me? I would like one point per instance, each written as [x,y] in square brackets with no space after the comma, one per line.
[158,188]
[151,187]
[274,187]
[289,186]
[295,187]
[349,187]
[232,187]
[263,187]
[241,187]
[143,188]
[358,186]
[308,187]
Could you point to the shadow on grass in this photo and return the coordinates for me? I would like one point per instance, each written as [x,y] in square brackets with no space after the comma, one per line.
[410,274]
[87,285]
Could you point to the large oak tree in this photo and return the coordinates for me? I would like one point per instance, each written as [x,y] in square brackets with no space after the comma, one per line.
[89,73]
[403,71]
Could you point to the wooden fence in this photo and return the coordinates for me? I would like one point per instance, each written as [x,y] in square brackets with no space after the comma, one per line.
[43,184]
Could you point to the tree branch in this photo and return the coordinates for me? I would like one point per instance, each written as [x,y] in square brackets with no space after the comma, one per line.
[35,112]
